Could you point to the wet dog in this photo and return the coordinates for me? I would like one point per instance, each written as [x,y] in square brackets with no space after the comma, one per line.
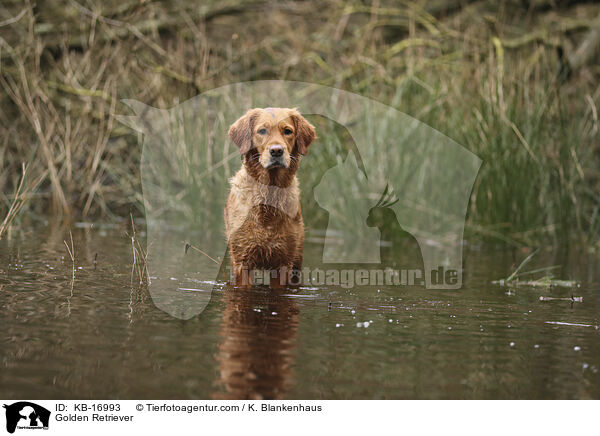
[263,221]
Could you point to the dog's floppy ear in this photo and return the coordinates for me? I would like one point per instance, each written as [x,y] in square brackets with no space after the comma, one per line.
[305,132]
[240,132]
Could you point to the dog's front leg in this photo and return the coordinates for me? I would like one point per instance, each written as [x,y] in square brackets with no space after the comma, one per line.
[280,277]
[277,278]
[242,275]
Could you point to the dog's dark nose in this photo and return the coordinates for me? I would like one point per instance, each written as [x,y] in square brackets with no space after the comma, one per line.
[276,150]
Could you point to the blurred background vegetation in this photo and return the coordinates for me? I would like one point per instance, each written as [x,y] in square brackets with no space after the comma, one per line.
[514,81]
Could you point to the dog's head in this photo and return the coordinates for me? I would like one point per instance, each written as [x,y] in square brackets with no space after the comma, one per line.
[272,137]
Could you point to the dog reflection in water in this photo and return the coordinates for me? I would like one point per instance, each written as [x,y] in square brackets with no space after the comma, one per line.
[256,353]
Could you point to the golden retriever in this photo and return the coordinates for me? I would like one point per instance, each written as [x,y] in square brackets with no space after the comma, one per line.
[263,221]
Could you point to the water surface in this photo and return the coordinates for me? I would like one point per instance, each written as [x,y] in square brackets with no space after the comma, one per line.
[100,335]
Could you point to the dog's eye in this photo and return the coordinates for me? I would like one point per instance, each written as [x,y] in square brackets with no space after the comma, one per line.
[287,131]
[262,131]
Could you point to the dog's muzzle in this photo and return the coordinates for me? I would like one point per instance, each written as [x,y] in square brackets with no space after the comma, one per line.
[276,157]
[276,163]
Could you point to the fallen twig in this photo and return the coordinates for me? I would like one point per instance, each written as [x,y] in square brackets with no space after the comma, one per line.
[188,246]
[572,299]
[72,254]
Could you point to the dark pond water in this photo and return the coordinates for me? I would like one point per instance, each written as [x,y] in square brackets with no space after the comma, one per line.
[100,336]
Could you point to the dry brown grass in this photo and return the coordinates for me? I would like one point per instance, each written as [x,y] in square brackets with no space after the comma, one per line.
[483,72]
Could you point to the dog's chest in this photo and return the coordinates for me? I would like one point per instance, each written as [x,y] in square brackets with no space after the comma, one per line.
[265,224]
[267,238]
[269,226]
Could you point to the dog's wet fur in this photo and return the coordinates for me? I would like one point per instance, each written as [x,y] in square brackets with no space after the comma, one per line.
[263,220]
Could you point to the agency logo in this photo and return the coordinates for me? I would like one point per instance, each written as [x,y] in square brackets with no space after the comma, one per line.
[25,415]
[389,168]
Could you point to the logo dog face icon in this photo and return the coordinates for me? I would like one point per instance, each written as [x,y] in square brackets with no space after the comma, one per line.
[25,414]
